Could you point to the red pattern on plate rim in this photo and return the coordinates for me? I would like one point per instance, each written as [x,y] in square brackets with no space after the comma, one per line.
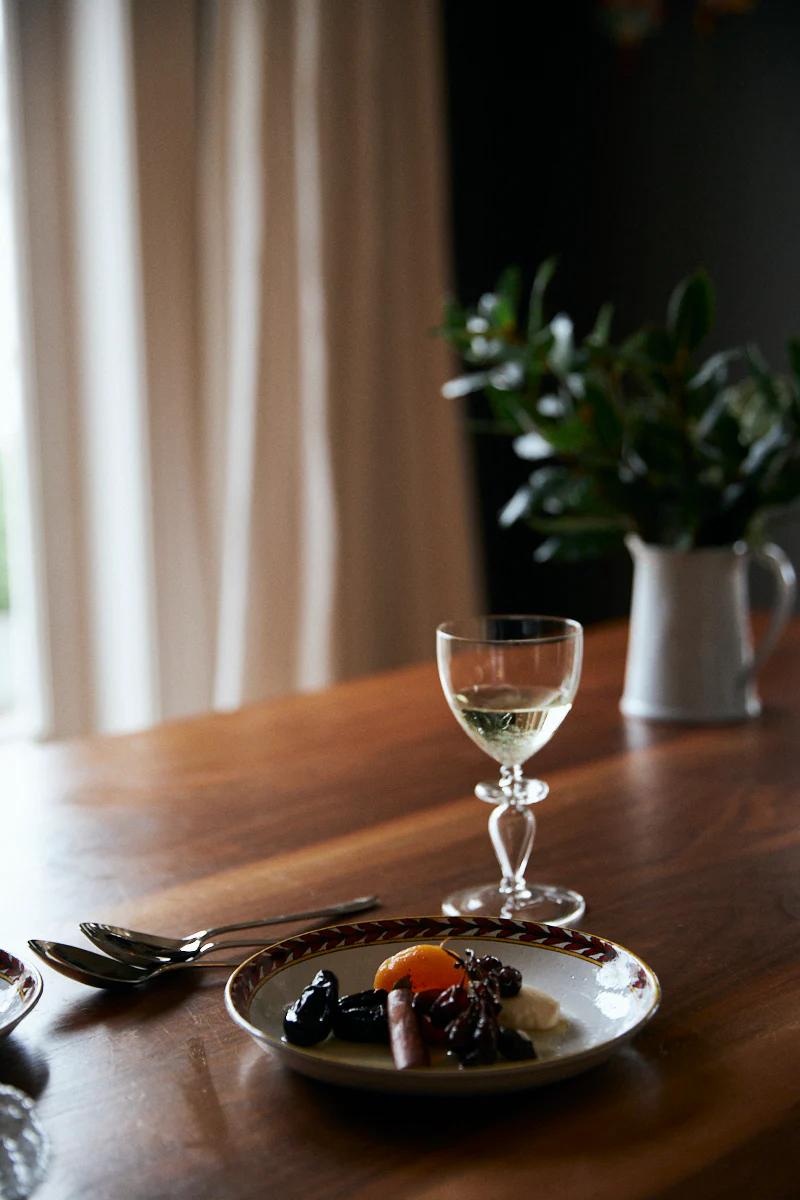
[368,933]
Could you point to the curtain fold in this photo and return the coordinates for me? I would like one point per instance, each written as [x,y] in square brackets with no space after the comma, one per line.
[233,237]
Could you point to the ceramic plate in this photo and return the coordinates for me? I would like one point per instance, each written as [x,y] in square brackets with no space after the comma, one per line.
[20,988]
[606,994]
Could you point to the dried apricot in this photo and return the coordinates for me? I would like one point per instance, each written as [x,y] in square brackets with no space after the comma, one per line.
[425,966]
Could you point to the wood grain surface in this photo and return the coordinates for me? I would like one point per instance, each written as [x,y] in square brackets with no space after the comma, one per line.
[685,841]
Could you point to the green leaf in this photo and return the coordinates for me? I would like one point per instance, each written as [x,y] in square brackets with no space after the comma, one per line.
[604,418]
[714,370]
[551,406]
[509,376]
[659,346]
[690,312]
[602,326]
[794,356]
[577,547]
[508,290]
[537,354]
[649,350]
[453,316]
[509,410]
[541,281]
[657,449]
[568,436]
[781,488]
[577,523]
[762,450]
[560,358]
[717,439]
[560,492]
[709,416]
[516,507]
[463,385]
[630,435]
[532,446]
[759,369]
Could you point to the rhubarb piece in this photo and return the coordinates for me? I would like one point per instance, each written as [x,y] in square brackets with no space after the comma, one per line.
[405,1039]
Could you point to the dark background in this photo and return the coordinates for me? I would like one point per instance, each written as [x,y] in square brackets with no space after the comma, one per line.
[635,164]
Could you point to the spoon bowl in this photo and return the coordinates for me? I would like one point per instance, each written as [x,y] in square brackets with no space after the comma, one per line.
[138,954]
[84,966]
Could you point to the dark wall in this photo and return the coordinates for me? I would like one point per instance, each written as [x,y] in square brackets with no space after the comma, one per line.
[635,165]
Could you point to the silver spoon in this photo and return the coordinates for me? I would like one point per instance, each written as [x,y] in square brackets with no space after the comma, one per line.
[84,966]
[135,956]
[149,946]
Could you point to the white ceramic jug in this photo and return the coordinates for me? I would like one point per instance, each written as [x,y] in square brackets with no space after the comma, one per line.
[690,653]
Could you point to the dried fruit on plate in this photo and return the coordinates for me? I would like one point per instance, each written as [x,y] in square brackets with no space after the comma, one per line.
[310,1018]
[422,968]
[405,1038]
[473,1007]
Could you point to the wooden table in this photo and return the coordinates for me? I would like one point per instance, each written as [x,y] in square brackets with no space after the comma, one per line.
[685,841]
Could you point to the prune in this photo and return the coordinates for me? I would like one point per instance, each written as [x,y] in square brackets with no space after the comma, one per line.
[482,1049]
[310,1018]
[326,979]
[365,1024]
[447,1006]
[423,1001]
[434,1035]
[460,1031]
[368,999]
[514,1045]
[510,981]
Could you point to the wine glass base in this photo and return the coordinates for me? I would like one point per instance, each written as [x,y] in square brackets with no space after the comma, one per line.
[545,902]
[526,791]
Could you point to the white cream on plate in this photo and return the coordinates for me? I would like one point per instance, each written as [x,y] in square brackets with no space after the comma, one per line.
[530,1009]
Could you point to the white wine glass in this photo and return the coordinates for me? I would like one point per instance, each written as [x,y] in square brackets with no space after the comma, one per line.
[510,682]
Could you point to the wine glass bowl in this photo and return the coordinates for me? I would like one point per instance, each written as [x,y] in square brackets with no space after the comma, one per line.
[510,682]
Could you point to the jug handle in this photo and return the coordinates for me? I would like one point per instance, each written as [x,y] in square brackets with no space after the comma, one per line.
[775,560]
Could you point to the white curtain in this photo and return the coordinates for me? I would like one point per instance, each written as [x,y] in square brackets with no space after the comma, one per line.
[242,478]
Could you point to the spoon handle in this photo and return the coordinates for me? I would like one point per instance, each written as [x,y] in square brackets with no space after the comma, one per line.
[210,947]
[184,966]
[359,904]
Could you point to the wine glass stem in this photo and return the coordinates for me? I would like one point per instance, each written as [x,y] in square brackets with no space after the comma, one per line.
[511,783]
[512,827]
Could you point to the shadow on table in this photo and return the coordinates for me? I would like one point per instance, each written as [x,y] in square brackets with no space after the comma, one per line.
[624,1101]
[22,1069]
[119,1008]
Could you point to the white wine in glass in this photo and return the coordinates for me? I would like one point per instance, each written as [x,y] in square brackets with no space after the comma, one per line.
[510,682]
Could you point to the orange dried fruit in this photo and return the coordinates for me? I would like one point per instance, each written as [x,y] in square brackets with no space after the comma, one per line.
[427,967]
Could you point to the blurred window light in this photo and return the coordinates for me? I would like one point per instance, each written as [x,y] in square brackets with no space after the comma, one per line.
[18,705]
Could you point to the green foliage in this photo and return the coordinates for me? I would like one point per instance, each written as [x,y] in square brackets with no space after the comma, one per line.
[636,436]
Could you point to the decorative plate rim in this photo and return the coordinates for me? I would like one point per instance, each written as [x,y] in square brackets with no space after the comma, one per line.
[30,986]
[248,978]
